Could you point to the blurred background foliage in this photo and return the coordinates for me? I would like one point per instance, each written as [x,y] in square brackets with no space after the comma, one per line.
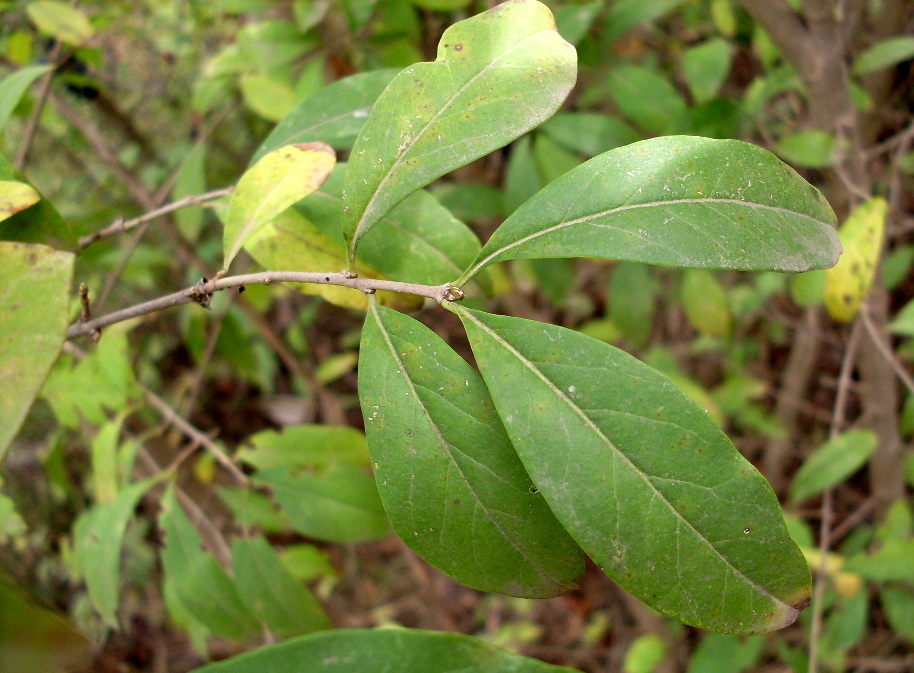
[252,406]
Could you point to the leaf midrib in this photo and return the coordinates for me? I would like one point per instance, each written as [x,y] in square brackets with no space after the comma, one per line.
[633,206]
[357,234]
[447,449]
[619,453]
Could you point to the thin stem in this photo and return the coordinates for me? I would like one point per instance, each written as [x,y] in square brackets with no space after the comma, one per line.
[196,435]
[120,226]
[877,340]
[203,291]
[825,530]
[31,128]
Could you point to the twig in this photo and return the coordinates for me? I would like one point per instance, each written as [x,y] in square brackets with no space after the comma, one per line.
[825,532]
[120,226]
[877,340]
[202,293]
[196,435]
[201,522]
[31,127]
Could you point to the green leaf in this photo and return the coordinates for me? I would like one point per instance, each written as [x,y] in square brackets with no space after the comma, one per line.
[589,133]
[471,200]
[641,477]
[250,508]
[97,537]
[810,149]
[14,86]
[885,54]
[104,460]
[645,97]
[60,21]
[626,14]
[16,197]
[498,74]
[335,502]
[898,604]
[644,655]
[720,653]
[704,301]
[40,223]
[306,445]
[632,301]
[904,321]
[278,180]
[574,21]
[705,68]
[198,581]
[266,96]
[271,593]
[552,160]
[102,380]
[892,562]
[522,177]
[365,651]
[191,180]
[34,312]
[451,483]
[832,463]
[678,201]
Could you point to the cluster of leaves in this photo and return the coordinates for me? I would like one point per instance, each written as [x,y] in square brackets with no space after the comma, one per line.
[561,443]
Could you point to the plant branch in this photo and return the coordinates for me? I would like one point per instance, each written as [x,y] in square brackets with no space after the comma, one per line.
[825,525]
[172,416]
[31,127]
[202,293]
[121,225]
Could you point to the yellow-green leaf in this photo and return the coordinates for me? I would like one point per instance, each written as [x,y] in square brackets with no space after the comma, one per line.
[274,183]
[848,282]
[16,197]
[60,21]
[34,308]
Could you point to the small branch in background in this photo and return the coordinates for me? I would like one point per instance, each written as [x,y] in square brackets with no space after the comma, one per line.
[210,534]
[825,530]
[801,364]
[196,435]
[120,226]
[202,293]
[885,351]
[31,127]
[97,140]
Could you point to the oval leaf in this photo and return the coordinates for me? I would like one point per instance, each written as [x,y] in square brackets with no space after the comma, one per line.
[60,21]
[98,536]
[14,86]
[281,178]
[641,477]
[200,584]
[885,54]
[677,201]
[497,75]
[832,463]
[34,311]
[848,283]
[334,115]
[366,651]
[334,502]
[270,591]
[452,485]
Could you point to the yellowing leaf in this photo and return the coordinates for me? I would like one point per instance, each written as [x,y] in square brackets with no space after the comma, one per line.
[274,183]
[60,21]
[848,282]
[16,197]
